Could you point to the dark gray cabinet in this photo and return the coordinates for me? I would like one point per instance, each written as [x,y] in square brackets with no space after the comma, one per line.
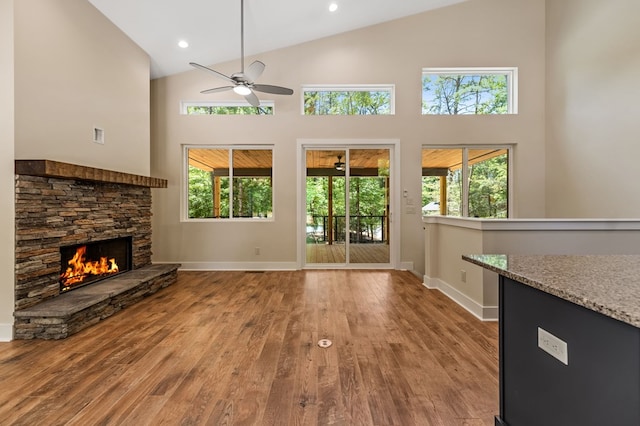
[599,386]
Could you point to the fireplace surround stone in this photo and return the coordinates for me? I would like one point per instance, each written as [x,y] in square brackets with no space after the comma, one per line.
[60,204]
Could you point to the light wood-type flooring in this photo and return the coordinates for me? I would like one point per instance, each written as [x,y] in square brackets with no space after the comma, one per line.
[235,348]
[358,253]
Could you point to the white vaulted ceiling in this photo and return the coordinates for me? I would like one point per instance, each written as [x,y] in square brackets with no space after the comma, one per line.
[212,27]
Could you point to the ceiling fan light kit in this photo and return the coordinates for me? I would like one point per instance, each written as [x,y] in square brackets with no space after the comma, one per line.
[244,82]
[242,90]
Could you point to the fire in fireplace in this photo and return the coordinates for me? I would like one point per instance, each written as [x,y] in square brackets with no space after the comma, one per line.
[87,263]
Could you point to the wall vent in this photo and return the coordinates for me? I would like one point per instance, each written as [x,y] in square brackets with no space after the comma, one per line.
[98,135]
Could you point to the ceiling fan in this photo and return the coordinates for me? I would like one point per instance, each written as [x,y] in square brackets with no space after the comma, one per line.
[244,81]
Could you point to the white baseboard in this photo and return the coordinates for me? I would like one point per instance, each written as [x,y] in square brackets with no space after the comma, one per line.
[252,266]
[483,313]
[6,332]
[235,266]
[430,283]
[406,266]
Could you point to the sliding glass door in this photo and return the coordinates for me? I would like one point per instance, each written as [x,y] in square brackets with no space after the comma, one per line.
[347,206]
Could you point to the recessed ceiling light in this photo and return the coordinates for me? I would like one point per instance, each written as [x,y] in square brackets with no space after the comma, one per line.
[333,7]
[183,44]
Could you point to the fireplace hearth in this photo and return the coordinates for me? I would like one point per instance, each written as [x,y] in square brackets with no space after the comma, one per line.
[88,263]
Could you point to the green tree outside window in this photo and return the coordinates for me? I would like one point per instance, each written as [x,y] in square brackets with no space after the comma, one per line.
[347,102]
[464,94]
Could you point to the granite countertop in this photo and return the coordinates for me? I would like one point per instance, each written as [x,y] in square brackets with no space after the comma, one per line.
[608,284]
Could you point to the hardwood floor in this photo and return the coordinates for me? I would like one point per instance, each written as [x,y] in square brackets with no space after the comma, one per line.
[234,348]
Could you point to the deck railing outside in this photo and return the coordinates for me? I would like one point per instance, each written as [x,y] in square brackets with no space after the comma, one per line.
[363,229]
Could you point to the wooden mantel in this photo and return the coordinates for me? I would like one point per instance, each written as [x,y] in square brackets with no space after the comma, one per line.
[56,169]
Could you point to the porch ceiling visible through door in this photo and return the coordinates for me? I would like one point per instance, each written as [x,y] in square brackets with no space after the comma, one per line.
[358,158]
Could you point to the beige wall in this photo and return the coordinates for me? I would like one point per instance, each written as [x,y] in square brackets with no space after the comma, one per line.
[75,70]
[6,170]
[593,113]
[488,33]
[452,242]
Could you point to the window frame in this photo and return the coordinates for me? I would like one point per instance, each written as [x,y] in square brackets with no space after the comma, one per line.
[349,88]
[510,72]
[184,105]
[510,148]
[184,192]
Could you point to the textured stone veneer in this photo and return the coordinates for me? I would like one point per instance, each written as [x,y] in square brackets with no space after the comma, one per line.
[53,212]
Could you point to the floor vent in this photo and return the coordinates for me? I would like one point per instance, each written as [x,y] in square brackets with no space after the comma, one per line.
[324,343]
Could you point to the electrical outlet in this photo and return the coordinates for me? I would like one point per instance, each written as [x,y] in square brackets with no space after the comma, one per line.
[463,275]
[257,251]
[553,346]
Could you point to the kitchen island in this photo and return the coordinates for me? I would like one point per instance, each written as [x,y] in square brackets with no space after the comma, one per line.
[569,338]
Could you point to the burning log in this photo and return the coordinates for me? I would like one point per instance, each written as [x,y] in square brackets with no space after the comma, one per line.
[79,268]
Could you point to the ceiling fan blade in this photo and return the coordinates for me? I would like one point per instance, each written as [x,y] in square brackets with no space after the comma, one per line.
[252,99]
[254,71]
[209,70]
[276,90]
[217,89]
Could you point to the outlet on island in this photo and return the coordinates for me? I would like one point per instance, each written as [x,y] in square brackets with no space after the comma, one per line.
[553,346]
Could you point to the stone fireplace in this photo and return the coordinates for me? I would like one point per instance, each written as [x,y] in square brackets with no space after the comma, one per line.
[61,208]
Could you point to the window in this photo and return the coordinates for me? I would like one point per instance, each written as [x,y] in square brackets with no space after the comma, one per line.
[466,181]
[467,91]
[226,108]
[348,100]
[229,182]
